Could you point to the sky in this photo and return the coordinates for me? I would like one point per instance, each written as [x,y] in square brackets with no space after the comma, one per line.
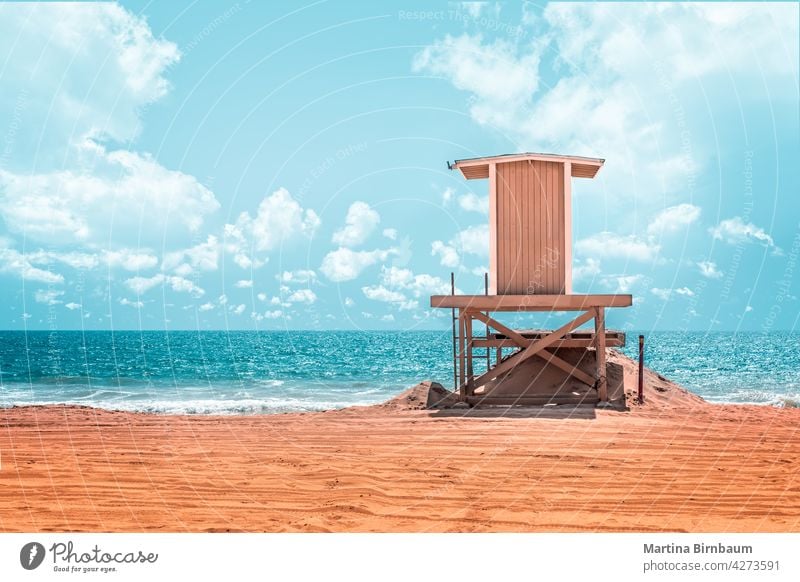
[253,165]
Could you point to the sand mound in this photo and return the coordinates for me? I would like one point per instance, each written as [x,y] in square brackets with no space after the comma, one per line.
[659,392]
[423,396]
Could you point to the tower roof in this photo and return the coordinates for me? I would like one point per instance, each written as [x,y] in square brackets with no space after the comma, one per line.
[477,168]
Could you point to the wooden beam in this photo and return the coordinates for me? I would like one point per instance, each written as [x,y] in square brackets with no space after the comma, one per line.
[530,302]
[534,348]
[611,342]
[493,323]
[588,398]
[574,371]
[600,356]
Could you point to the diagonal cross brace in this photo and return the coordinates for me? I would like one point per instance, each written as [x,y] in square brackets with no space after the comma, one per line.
[530,348]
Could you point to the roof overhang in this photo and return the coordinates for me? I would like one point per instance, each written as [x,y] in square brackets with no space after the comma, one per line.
[477,168]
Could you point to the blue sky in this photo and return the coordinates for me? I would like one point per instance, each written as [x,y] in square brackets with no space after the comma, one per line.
[256,166]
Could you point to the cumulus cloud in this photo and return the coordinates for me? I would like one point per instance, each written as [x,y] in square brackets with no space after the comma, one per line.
[131,303]
[709,269]
[390,233]
[279,218]
[403,288]
[360,222]
[448,256]
[499,78]
[72,306]
[473,240]
[622,77]
[141,285]
[125,193]
[48,297]
[673,219]
[300,276]
[586,269]
[202,256]
[736,231]
[665,294]
[116,67]
[471,202]
[344,264]
[18,264]
[611,245]
[302,296]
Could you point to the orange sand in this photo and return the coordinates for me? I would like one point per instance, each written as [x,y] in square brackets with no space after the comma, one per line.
[680,465]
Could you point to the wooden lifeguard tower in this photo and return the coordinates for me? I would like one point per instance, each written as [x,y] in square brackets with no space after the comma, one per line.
[530,270]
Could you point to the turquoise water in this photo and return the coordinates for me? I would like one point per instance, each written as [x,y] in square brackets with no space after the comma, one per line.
[219,372]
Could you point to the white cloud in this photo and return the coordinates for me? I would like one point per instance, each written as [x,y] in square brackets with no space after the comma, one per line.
[390,233]
[244,284]
[360,222]
[122,192]
[72,306]
[624,283]
[622,82]
[665,294]
[48,297]
[611,245]
[709,269]
[262,296]
[116,67]
[128,302]
[223,299]
[16,263]
[345,264]
[273,314]
[279,218]
[300,276]
[735,231]
[587,269]
[348,302]
[381,293]
[447,196]
[748,309]
[448,256]
[673,219]
[471,202]
[130,260]
[387,317]
[473,240]
[208,306]
[403,288]
[141,285]
[302,296]
[499,78]
[203,256]
[239,309]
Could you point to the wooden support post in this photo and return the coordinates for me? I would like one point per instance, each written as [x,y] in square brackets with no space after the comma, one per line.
[641,369]
[461,350]
[470,374]
[455,335]
[600,356]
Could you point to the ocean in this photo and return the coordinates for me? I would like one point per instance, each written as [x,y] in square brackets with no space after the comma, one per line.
[245,372]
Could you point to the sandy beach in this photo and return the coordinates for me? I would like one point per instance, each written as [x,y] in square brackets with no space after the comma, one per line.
[675,464]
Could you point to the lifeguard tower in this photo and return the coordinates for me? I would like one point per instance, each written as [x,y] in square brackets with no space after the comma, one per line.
[530,270]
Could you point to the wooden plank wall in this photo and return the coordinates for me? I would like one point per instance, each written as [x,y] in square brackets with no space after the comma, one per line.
[531,232]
